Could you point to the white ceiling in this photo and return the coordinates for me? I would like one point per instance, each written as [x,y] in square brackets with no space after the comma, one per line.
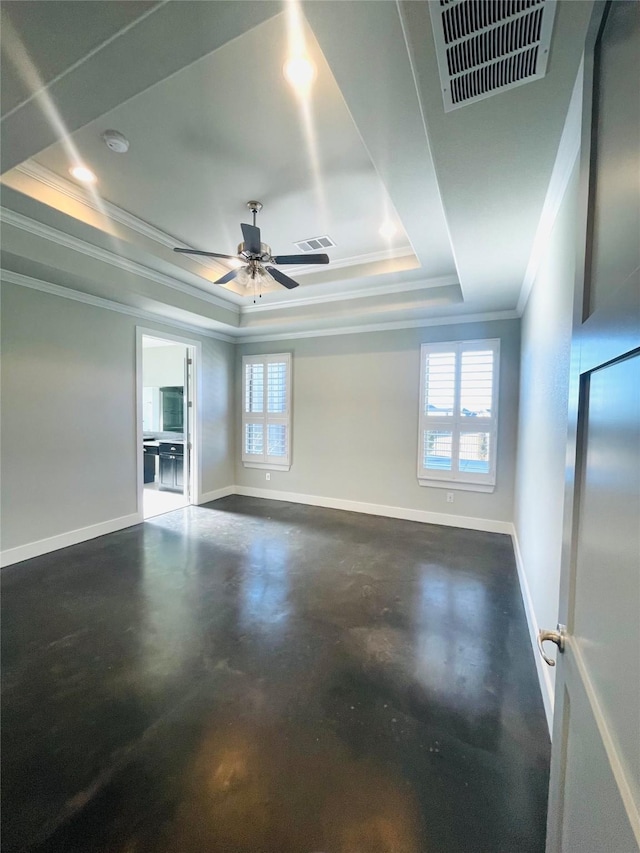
[198,90]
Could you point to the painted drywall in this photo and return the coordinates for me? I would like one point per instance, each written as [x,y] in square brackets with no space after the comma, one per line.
[542,428]
[68,452]
[163,366]
[355,419]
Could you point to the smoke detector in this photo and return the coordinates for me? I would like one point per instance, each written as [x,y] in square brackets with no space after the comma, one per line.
[116,141]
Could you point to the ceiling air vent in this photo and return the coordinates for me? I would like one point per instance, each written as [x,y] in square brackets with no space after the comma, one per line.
[488,46]
[315,243]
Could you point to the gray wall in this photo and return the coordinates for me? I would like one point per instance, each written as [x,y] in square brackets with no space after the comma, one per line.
[69,414]
[69,432]
[542,433]
[355,419]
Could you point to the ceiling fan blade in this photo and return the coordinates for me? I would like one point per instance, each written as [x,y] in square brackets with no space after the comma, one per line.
[281,278]
[301,259]
[251,234]
[229,276]
[206,254]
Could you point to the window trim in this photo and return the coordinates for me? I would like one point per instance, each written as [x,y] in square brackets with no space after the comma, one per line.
[264,462]
[456,423]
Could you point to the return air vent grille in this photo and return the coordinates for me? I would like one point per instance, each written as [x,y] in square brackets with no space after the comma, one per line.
[488,46]
[314,244]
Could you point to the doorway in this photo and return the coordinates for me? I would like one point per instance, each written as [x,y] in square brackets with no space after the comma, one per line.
[166,422]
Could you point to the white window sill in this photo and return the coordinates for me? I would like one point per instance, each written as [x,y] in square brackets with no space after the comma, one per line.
[457,485]
[266,466]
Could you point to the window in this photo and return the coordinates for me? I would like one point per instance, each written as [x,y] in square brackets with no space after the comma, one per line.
[266,413]
[458,414]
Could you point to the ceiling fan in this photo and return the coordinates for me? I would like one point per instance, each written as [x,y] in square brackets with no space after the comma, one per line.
[257,256]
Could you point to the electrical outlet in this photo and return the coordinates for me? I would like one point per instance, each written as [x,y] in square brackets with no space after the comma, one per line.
[269,477]
[449,497]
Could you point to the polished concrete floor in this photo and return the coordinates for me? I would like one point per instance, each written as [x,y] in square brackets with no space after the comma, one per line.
[263,677]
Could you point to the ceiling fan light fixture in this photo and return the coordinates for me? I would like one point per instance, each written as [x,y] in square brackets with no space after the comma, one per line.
[81,173]
[300,72]
[243,279]
[260,279]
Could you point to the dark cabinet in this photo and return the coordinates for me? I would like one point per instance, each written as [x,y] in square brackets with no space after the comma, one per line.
[150,454]
[172,403]
[171,466]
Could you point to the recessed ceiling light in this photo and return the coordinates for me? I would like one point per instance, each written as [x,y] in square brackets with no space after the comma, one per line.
[300,72]
[81,173]
[387,229]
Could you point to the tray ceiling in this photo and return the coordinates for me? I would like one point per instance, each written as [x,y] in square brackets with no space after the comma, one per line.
[198,90]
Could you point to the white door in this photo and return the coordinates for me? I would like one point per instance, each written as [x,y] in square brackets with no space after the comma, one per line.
[594,801]
[188,424]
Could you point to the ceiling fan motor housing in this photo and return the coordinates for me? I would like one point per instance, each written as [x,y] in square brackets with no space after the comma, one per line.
[265,252]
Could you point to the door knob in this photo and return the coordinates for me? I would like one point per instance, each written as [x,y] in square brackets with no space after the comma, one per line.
[556,637]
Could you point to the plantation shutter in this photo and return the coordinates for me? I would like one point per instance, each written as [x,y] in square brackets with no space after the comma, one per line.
[458,413]
[266,395]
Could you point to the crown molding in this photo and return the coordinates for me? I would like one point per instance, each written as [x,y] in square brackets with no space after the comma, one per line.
[39,229]
[392,325]
[359,260]
[49,178]
[382,290]
[11,277]
[566,157]
[21,280]
[37,172]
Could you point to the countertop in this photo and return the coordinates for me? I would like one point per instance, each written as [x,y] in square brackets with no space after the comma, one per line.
[156,441]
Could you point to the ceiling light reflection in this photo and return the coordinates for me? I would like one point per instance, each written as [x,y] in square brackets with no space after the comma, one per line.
[299,62]
[300,72]
[388,229]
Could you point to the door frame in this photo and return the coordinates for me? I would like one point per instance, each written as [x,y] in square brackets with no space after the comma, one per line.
[195,471]
[595,341]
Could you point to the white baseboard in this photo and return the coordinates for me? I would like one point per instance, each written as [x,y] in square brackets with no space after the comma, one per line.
[63,540]
[205,497]
[486,524]
[544,674]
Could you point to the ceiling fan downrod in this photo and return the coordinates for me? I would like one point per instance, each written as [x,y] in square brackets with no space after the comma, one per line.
[255,207]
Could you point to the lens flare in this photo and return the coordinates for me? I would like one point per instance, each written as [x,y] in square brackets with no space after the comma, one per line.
[388,229]
[18,56]
[302,69]
[300,72]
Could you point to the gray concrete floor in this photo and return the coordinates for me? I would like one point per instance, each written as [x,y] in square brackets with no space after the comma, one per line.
[261,677]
